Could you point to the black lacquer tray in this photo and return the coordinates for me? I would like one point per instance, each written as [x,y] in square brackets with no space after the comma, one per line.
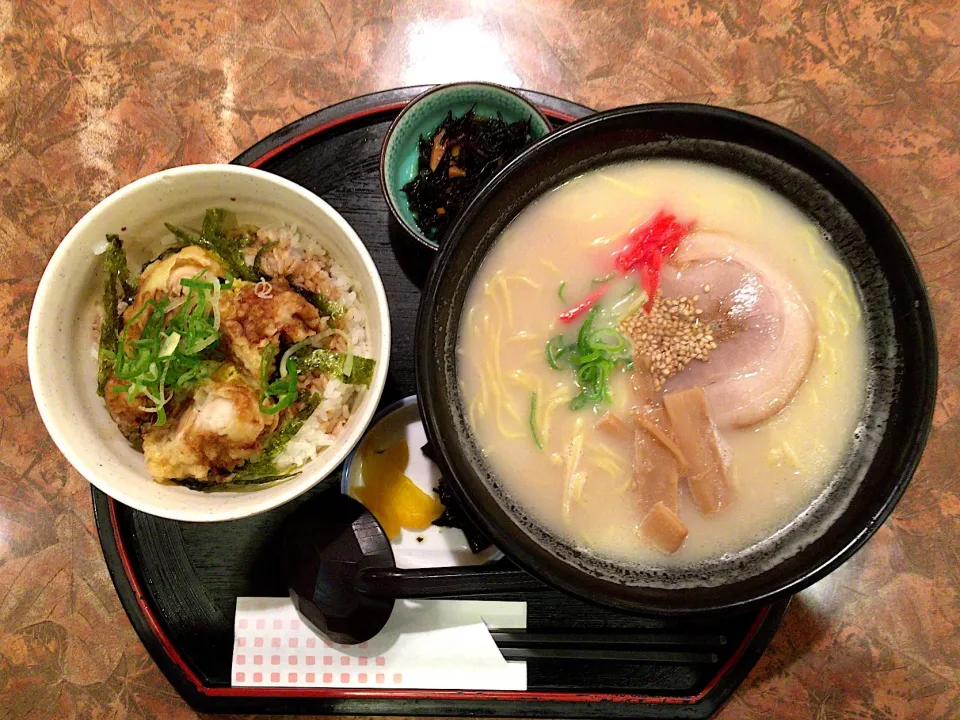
[178,582]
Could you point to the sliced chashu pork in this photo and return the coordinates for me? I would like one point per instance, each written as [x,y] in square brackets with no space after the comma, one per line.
[765,332]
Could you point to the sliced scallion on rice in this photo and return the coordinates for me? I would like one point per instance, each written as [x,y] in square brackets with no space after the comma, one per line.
[169,354]
[282,392]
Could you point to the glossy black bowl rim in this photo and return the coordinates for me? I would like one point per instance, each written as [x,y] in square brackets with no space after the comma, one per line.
[384,188]
[539,561]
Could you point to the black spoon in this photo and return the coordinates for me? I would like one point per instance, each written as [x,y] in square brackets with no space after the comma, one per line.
[343,578]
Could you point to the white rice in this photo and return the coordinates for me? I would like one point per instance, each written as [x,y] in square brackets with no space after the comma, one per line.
[339,400]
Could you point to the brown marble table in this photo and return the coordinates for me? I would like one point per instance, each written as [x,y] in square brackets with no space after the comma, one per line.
[95,94]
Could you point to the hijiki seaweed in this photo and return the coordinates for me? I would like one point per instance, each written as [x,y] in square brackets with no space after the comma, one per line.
[453,515]
[455,160]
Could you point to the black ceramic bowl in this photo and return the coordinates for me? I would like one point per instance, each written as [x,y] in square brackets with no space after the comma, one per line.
[902,358]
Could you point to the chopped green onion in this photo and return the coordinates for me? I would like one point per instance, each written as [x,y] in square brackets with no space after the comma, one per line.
[283,389]
[197,284]
[593,357]
[169,355]
[348,360]
[290,351]
[202,344]
[585,330]
[533,417]
[215,301]
[631,301]
[578,357]
[170,344]
[555,350]
[266,365]
[601,280]
[607,339]
[560,290]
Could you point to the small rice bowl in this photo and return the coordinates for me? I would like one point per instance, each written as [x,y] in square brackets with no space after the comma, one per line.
[63,369]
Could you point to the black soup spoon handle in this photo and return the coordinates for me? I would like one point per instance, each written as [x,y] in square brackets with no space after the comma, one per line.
[444,582]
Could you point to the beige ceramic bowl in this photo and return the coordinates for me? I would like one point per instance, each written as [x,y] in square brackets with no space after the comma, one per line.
[62,341]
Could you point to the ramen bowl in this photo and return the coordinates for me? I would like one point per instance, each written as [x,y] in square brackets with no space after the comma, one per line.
[901,363]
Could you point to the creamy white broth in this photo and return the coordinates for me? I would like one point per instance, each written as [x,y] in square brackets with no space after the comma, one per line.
[775,468]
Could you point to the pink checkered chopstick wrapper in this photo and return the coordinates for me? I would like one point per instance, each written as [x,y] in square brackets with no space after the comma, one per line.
[427,644]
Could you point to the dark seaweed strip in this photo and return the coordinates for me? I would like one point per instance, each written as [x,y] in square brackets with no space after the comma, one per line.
[117,273]
[264,469]
[331,363]
[255,483]
[258,259]
[229,248]
[118,267]
[327,307]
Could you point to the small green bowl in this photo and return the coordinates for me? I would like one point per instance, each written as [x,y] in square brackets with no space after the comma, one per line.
[423,115]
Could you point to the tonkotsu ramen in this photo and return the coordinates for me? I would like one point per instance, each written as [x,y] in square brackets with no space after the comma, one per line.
[663,361]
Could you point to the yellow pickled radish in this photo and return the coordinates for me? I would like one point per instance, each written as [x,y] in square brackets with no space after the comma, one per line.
[393,498]
[377,461]
[375,501]
[416,509]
